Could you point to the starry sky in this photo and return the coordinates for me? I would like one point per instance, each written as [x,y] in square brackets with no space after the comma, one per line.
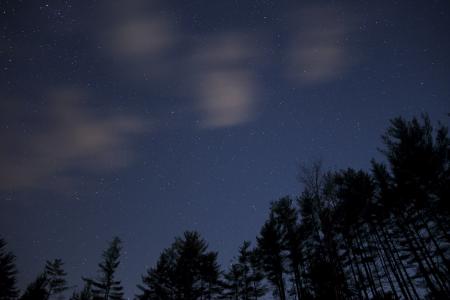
[144,119]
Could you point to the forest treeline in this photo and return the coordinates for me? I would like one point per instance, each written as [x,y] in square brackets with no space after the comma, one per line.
[350,234]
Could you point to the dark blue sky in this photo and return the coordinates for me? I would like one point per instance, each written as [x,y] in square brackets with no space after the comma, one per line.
[143,119]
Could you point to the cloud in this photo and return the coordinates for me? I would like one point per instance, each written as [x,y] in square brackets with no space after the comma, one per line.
[227,98]
[317,52]
[226,50]
[68,138]
[144,46]
[226,87]
[213,71]
[142,38]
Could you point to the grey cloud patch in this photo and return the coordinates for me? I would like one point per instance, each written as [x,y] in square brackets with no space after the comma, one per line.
[218,86]
[73,139]
[227,90]
[142,38]
[226,50]
[223,89]
[318,52]
[214,71]
[138,40]
[227,98]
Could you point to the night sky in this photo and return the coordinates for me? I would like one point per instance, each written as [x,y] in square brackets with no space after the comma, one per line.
[144,119]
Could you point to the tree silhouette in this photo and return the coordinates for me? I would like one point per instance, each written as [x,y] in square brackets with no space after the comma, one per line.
[158,282]
[350,234]
[185,270]
[106,286]
[418,184]
[37,290]
[272,258]
[85,294]
[8,273]
[286,215]
[233,283]
[56,277]
[244,278]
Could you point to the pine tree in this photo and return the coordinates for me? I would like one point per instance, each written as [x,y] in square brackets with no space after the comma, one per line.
[252,276]
[185,270]
[419,165]
[257,276]
[270,251]
[232,283]
[8,273]
[106,287]
[244,278]
[85,294]
[37,290]
[56,277]
[209,271]
[158,282]
[286,216]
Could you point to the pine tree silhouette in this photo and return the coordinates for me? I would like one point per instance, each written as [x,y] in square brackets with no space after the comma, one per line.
[351,234]
[186,270]
[8,273]
[85,294]
[37,290]
[56,277]
[106,286]
[244,279]
[270,251]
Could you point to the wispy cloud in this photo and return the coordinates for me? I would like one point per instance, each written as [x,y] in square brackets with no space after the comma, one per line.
[70,138]
[138,40]
[218,86]
[227,98]
[147,37]
[318,52]
[213,75]
[226,86]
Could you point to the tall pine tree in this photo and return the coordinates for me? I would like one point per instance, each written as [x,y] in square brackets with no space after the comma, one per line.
[37,290]
[185,270]
[56,277]
[85,294]
[244,279]
[270,251]
[8,272]
[106,287]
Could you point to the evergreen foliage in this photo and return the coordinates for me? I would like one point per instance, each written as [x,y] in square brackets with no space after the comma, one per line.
[56,277]
[186,270]
[350,234]
[8,289]
[106,287]
[244,279]
[37,290]
[85,294]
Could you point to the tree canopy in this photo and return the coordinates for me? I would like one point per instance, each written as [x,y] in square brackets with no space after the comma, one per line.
[382,233]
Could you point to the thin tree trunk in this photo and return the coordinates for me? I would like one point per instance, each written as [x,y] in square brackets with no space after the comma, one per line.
[417,257]
[381,254]
[434,270]
[398,263]
[436,244]
[358,281]
[366,267]
[370,240]
[281,288]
